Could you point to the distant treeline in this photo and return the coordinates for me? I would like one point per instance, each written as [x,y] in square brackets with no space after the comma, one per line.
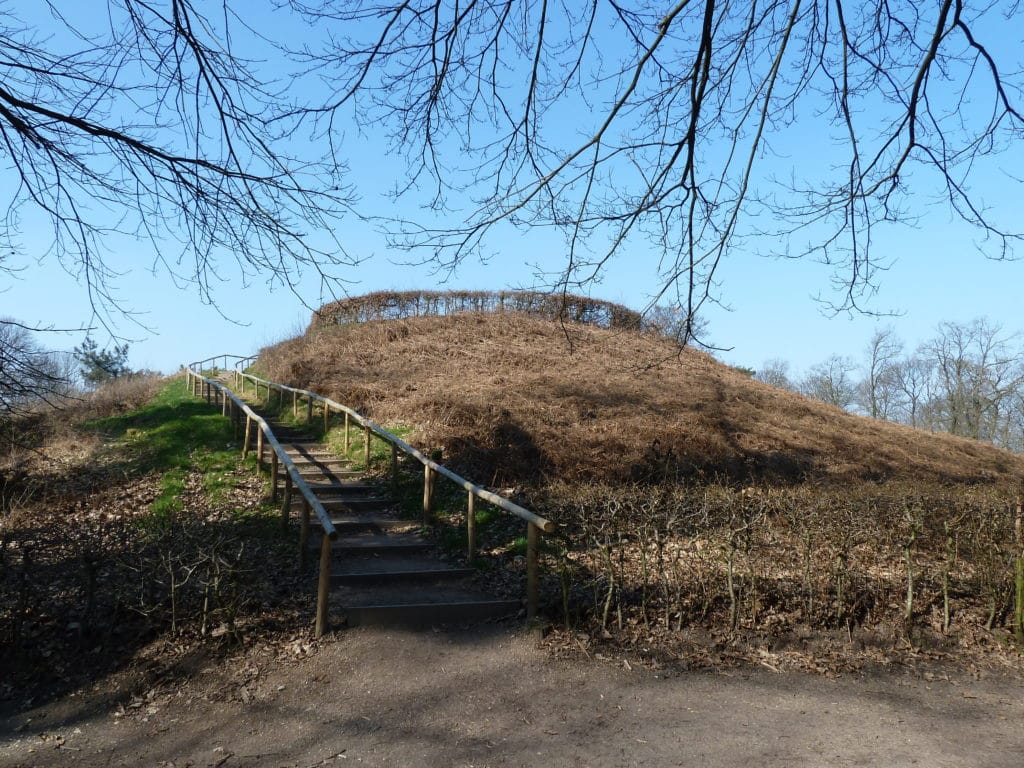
[396,305]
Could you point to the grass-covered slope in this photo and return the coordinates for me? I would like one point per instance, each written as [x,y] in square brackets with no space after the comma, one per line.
[514,398]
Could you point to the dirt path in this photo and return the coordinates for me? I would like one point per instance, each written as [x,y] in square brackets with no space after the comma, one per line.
[492,698]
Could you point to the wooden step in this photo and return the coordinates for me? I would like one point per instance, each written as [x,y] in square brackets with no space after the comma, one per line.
[355,504]
[303,458]
[401,574]
[352,523]
[427,614]
[391,544]
[327,462]
[306,450]
[315,474]
[355,488]
[347,490]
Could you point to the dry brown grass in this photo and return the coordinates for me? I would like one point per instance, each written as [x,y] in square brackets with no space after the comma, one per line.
[516,399]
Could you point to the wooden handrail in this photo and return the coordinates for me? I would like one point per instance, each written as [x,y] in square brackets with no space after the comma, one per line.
[197,367]
[535,524]
[282,456]
[545,525]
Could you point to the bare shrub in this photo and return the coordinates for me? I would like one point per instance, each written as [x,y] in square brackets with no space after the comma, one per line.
[397,305]
[121,394]
[769,561]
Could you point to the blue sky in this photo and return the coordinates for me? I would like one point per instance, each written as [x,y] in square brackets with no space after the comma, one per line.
[936,274]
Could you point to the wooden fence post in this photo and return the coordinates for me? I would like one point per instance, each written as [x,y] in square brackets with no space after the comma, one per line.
[346,434]
[323,587]
[1018,608]
[273,475]
[259,450]
[309,410]
[470,526]
[303,533]
[248,436]
[531,573]
[428,494]
[295,406]
[367,448]
[327,418]
[286,504]
[394,468]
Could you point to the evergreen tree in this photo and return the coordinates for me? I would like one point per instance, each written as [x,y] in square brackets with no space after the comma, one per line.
[100,365]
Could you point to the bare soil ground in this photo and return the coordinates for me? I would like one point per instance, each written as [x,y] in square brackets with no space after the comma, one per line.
[493,696]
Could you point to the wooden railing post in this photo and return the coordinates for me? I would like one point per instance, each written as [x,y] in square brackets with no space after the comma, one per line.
[346,434]
[470,526]
[309,410]
[323,587]
[248,436]
[295,405]
[428,494]
[259,450]
[394,468]
[531,573]
[286,504]
[303,533]
[367,448]
[273,475]
[327,418]
[1018,607]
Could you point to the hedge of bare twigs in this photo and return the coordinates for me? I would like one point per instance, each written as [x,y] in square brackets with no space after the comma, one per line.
[772,559]
[396,305]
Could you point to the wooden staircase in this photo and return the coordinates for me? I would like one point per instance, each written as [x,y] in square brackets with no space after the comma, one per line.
[385,570]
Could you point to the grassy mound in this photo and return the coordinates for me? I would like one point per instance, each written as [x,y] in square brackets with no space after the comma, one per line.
[516,399]
[691,498]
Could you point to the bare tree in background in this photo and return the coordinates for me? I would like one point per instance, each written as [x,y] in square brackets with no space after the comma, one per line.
[832,381]
[914,380]
[649,121]
[28,372]
[877,391]
[978,370]
[775,372]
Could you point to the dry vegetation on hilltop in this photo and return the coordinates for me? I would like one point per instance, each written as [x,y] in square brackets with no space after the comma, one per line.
[510,403]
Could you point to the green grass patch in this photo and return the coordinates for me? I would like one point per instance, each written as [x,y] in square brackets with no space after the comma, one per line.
[165,433]
[380,451]
[175,434]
